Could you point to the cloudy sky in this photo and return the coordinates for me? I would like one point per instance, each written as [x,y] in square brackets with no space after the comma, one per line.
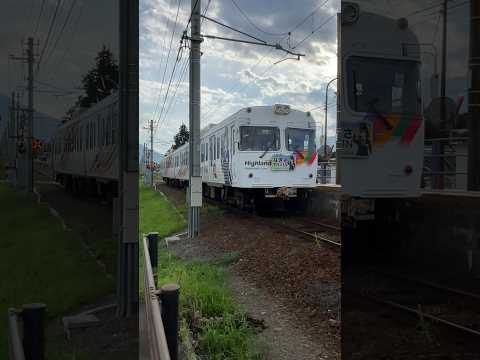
[80,29]
[236,75]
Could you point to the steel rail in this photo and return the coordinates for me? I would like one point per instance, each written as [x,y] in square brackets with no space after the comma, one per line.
[422,314]
[157,342]
[14,340]
[428,283]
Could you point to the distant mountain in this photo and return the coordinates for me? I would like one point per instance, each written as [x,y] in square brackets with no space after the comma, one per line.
[156,155]
[43,126]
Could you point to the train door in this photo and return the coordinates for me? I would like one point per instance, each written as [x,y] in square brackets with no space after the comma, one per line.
[232,149]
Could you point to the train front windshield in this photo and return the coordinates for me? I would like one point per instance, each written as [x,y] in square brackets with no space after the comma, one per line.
[383,85]
[259,138]
[300,139]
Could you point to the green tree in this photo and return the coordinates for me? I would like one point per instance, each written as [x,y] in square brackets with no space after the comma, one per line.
[181,137]
[99,82]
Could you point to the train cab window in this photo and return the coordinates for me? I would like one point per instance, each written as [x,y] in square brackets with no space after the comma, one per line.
[259,138]
[300,140]
[395,88]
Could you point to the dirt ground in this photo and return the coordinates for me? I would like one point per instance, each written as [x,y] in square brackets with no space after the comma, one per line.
[290,284]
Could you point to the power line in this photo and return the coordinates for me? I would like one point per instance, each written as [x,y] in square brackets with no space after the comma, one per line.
[300,23]
[314,31]
[67,18]
[181,77]
[179,56]
[38,18]
[178,59]
[173,98]
[245,16]
[52,22]
[168,58]
[72,34]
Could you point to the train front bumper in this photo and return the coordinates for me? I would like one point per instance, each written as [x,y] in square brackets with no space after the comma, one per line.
[281,192]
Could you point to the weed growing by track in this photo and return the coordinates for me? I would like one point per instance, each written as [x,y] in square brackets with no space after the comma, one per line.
[42,262]
[210,319]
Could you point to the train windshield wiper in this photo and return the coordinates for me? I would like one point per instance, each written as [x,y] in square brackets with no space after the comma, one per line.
[266,150]
[373,108]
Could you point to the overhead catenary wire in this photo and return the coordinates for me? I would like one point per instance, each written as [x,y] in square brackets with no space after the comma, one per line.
[167,61]
[315,30]
[300,23]
[39,18]
[52,22]
[178,59]
[67,19]
[247,18]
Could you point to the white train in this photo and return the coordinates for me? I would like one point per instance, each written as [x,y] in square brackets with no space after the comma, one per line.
[260,152]
[380,126]
[85,149]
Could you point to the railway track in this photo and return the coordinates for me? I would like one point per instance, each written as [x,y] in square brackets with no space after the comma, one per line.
[312,230]
[429,301]
[305,227]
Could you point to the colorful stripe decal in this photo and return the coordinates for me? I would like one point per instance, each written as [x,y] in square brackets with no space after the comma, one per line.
[302,157]
[394,126]
[409,134]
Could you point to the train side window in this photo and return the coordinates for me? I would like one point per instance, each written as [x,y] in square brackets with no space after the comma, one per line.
[218,148]
[201,153]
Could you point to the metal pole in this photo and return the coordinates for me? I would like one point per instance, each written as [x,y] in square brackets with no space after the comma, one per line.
[195,180]
[128,162]
[153,248]
[324,176]
[34,316]
[29,137]
[438,148]
[169,296]
[326,112]
[474,99]
[151,153]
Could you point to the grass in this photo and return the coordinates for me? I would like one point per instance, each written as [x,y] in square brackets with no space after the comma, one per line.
[208,312]
[42,262]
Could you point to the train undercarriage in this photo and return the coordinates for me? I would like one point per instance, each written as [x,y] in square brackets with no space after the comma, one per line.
[79,185]
[261,199]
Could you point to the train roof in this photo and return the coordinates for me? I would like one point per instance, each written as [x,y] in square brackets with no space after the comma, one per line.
[260,110]
[372,34]
[90,110]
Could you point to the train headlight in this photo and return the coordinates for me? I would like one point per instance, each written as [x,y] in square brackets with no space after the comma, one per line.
[350,13]
[408,170]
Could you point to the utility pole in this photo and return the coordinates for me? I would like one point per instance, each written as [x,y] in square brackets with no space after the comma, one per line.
[438,148]
[151,153]
[12,140]
[29,162]
[195,179]
[27,128]
[127,273]
[474,99]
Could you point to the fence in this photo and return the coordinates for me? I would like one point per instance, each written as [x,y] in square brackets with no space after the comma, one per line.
[161,308]
[14,339]
[30,343]
[327,172]
[445,163]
